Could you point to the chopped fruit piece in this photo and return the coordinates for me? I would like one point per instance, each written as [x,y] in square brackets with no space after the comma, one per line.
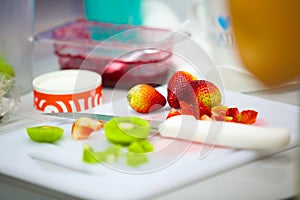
[136,159]
[234,113]
[84,126]
[176,86]
[109,155]
[144,98]
[125,130]
[142,146]
[173,112]
[248,117]
[219,113]
[47,134]
[205,117]
[244,117]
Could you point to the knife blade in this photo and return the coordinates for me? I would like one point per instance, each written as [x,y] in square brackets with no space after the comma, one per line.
[227,134]
[74,115]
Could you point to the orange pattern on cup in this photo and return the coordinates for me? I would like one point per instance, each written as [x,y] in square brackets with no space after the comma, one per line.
[68,102]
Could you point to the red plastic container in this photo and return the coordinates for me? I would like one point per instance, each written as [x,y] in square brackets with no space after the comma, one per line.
[124,55]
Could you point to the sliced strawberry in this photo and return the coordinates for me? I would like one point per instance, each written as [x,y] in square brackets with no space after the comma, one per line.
[173,112]
[204,110]
[248,117]
[176,87]
[206,92]
[189,109]
[234,113]
[244,117]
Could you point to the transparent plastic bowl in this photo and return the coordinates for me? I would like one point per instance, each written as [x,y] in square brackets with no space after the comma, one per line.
[124,55]
[9,96]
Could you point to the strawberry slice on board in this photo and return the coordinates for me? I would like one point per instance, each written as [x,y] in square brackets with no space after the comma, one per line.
[248,116]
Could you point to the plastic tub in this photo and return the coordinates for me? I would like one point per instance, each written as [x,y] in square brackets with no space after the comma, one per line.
[67,91]
[124,55]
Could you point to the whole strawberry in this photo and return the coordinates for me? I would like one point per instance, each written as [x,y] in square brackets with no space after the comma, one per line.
[176,85]
[144,98]
[206,93]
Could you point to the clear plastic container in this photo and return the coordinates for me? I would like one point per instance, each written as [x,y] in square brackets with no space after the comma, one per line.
[124,55]
[16,22]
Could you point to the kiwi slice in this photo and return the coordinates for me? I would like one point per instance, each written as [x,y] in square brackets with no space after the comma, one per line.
[47,134]
[136,159]
[143,146]
[109,155]
[125,130]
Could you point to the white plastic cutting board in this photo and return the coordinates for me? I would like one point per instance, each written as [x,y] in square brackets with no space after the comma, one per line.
[173,165]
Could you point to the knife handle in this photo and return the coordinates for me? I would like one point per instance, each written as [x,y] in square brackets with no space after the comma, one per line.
[228,134]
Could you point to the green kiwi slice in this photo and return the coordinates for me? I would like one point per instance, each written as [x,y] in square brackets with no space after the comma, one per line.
[125,130]
[109,155]
[47,134]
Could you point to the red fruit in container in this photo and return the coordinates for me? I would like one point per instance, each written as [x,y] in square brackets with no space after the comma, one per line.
[176,85]
[144,98]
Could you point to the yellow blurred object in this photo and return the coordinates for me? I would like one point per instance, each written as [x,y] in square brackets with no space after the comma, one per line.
[268,38]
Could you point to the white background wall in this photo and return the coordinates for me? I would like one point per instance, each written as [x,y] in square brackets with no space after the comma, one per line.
[52,12]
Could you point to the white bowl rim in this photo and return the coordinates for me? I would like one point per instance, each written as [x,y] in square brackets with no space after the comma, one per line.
[79,81]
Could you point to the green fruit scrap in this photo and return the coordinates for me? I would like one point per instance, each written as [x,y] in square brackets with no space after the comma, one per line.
[142,146]
[125,130]
[136,159]
[108,155]
[89,156]
[132,132]
[47,134]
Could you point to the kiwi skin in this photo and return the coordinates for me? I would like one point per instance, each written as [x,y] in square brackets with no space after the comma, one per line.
[125,130]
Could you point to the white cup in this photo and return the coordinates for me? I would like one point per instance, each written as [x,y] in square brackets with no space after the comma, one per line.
[212,22]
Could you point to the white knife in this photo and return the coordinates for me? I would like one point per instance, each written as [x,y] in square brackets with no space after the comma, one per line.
[227,134]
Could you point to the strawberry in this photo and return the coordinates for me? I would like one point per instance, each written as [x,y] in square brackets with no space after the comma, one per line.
[247,117]
[244,117]
[173,112]
[206,93]
[144,98]
[204,110]
[196,109]
[234,113]
[176,85]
